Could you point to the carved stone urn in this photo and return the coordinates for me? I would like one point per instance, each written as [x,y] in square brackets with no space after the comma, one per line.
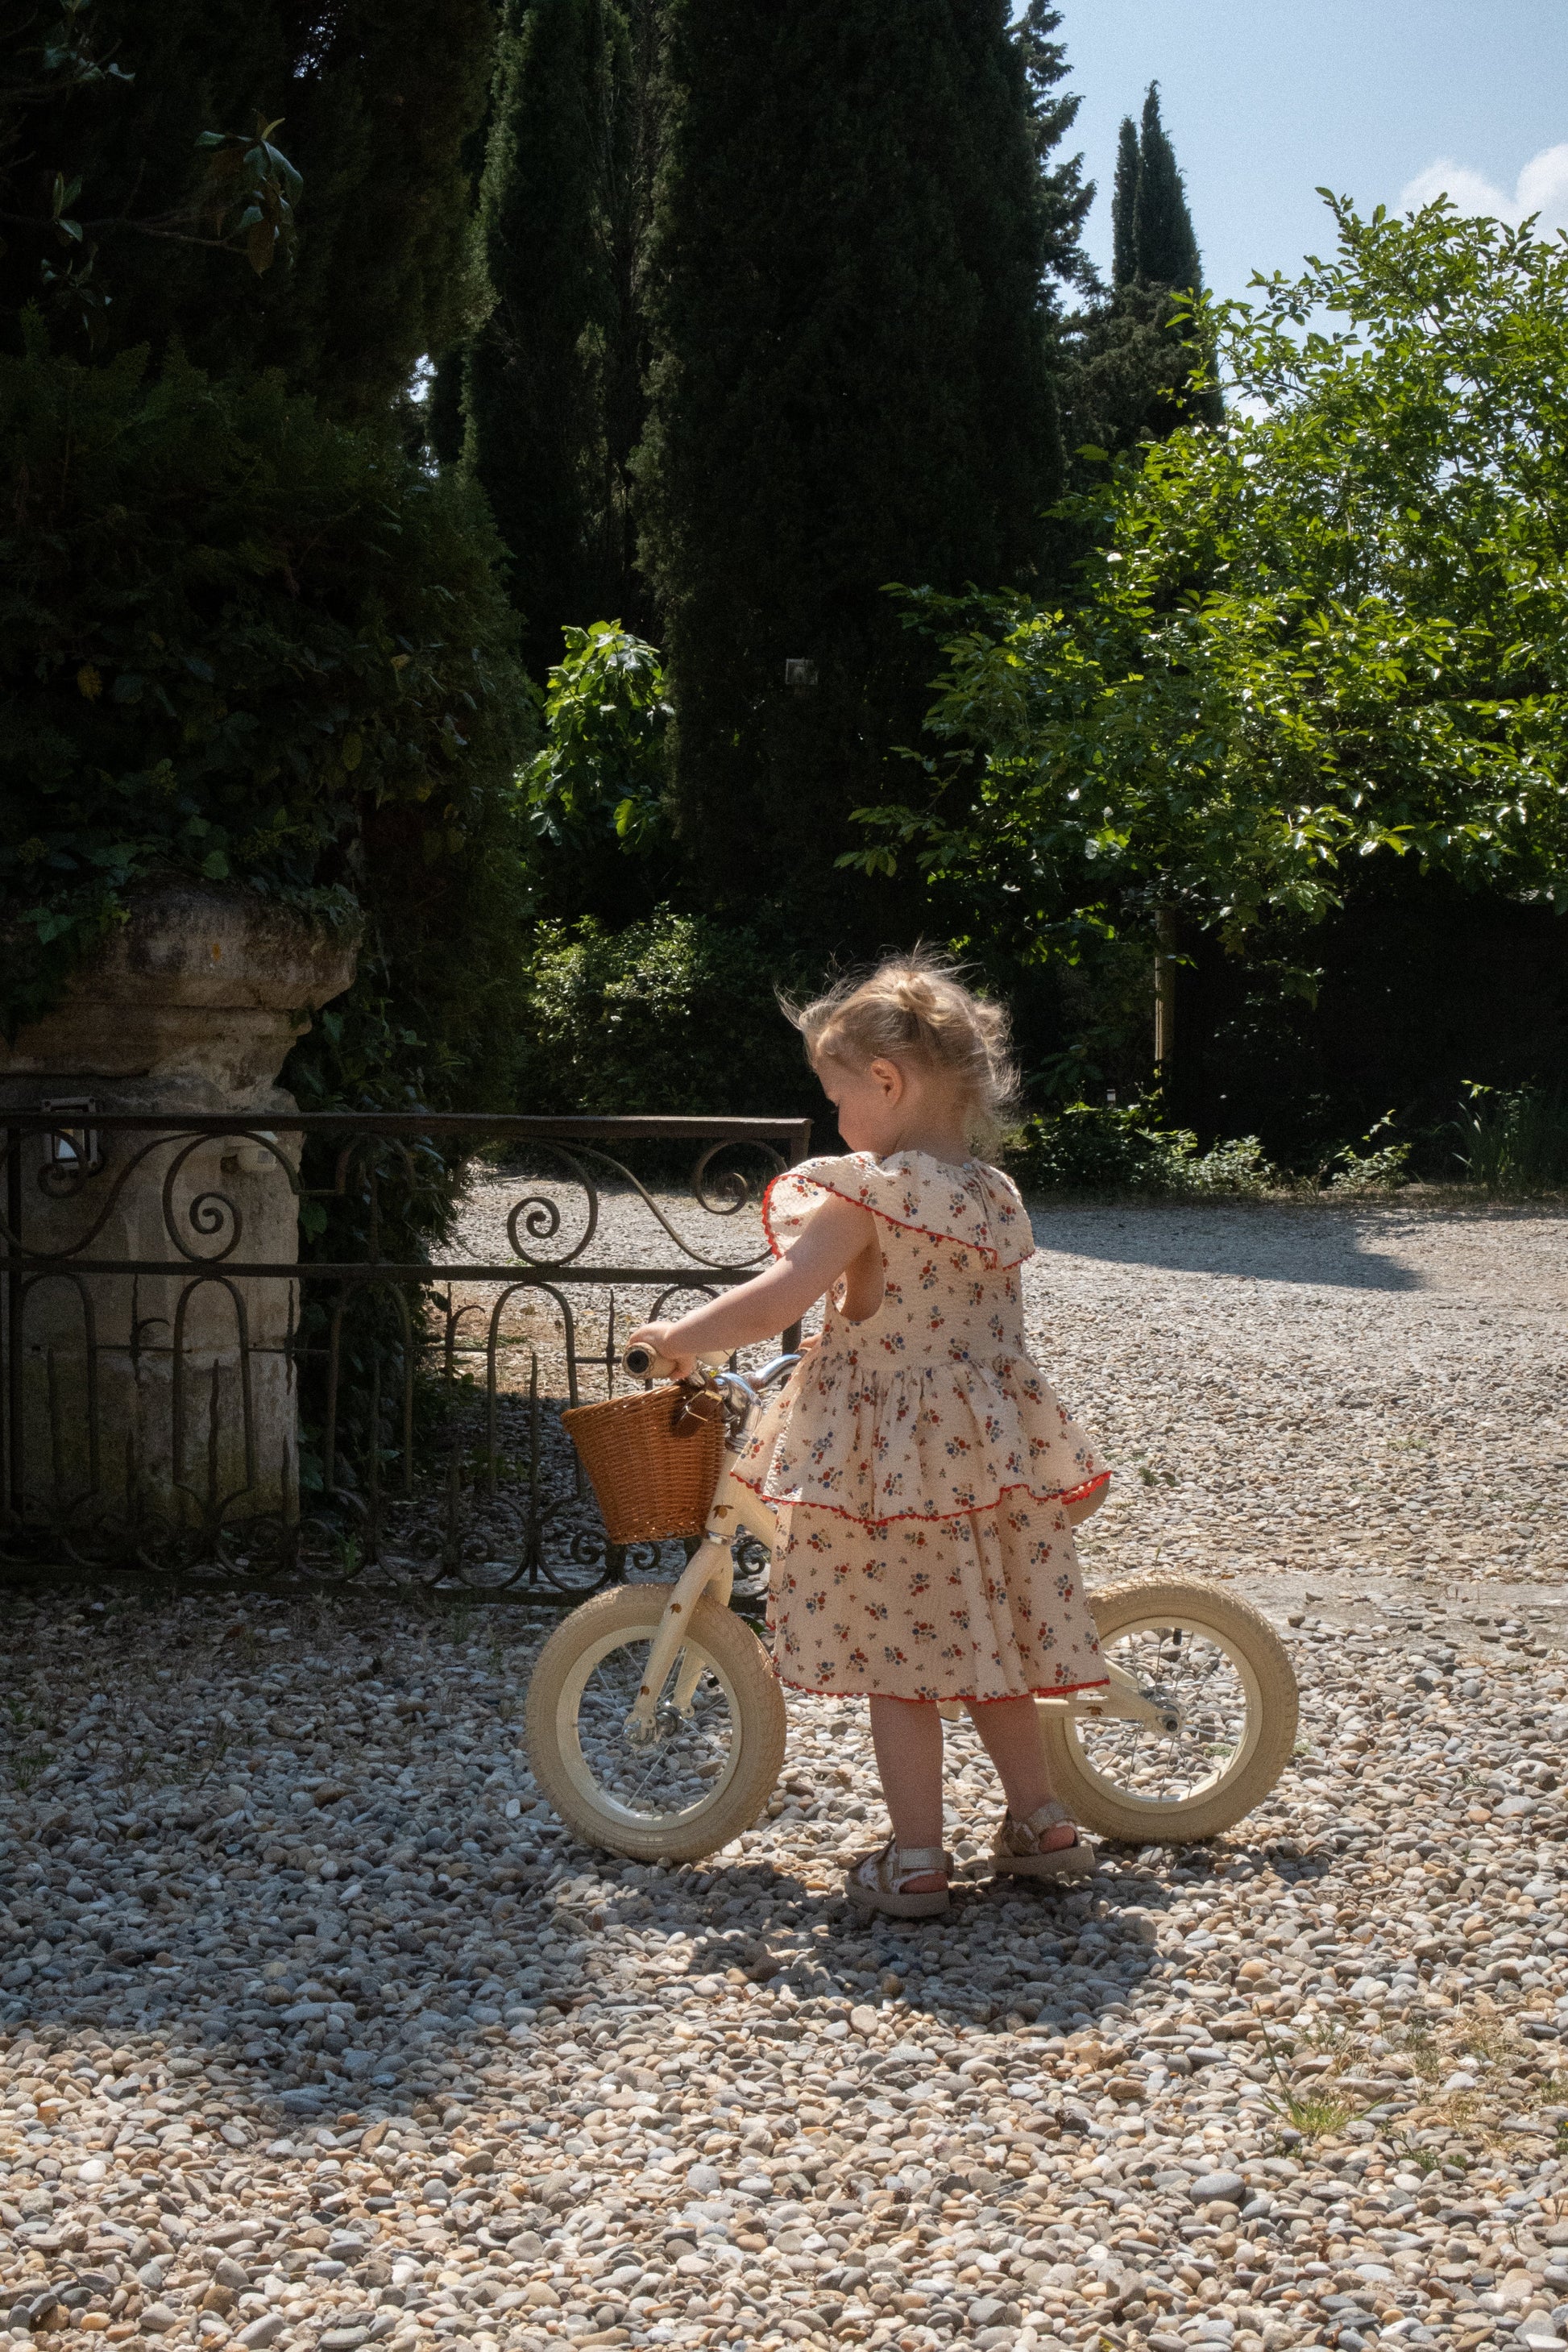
[148,1406]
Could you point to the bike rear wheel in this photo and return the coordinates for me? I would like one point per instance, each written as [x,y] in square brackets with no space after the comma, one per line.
[710,1769]
[1226,1695]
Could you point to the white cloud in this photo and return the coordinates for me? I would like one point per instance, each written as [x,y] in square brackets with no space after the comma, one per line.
[1542,187]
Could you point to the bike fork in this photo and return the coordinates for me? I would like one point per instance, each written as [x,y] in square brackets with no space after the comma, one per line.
[710,1568]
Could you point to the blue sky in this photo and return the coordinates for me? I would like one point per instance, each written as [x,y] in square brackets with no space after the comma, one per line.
[1385,100]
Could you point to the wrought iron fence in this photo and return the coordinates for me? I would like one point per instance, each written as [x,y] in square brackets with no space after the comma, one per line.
[184,1392]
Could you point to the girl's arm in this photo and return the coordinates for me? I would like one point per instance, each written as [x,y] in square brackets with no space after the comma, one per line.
[834,1237]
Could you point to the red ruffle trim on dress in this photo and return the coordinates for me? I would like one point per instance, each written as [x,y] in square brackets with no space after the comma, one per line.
[944,1698]
[991,1259]
[932,1518]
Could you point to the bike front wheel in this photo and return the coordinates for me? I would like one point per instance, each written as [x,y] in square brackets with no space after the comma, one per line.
[718,1732]
[1218,1722]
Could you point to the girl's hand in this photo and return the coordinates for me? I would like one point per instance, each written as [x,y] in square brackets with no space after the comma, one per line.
[657,1337]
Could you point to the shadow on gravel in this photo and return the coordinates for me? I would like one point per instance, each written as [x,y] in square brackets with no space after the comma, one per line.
[290,1870]
[1039,1957]
[1254,1243]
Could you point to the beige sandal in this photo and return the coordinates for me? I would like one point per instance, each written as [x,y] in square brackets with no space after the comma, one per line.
[877,1882]
[1016,1846]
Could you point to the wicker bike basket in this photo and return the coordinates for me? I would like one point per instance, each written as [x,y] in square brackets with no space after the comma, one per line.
[654,1460]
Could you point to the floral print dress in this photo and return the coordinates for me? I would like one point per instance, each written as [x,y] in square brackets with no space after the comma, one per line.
[921,1464]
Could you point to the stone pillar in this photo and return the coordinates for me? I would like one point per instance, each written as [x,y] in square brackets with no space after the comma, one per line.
[155,1408]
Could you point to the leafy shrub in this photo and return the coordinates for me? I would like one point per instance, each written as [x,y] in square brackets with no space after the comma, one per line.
[242,643]
[674,1014]
[1516,1142]
[598,831]
[1378,1168]
[1110,1148]
[602,770]
[1236,1165]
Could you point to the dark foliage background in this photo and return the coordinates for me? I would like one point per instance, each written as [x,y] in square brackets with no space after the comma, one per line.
[241,641]
[374,100]
[553,386]
[730,321]
[850,385]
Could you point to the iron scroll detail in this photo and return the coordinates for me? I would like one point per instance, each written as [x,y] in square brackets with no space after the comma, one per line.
[184,1393]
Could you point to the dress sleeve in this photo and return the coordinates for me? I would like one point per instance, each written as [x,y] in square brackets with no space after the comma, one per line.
[1006,1220]
[792,1199]
[974,1207]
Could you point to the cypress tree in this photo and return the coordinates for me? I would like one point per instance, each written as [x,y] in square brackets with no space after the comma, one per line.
[850,386]
[375,97]
[553,379]
[442,419]
[439,434]
[1063,195]
[1124,207]
[1127,370]
[1166,246]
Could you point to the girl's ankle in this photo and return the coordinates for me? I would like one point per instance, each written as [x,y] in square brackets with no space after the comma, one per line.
[929,1880]
[1048,1825]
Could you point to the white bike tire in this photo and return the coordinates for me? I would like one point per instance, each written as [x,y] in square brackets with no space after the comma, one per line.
[1078,1753]
[629,1615]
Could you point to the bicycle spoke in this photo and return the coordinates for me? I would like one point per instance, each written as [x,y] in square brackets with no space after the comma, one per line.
[689,1755]
[1187,1675]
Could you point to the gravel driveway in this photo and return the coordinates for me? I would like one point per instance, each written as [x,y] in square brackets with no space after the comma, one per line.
[315,2032]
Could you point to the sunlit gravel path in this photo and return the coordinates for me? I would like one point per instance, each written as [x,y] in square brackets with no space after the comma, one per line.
[315,2031]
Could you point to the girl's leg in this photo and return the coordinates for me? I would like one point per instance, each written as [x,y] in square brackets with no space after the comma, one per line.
[907,1736]
[1010,1730]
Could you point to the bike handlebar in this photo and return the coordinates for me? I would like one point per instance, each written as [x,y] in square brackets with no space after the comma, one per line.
[645,1364]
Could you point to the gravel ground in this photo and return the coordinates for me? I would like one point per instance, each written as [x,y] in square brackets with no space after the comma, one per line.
[315,2031]
[1354,1393]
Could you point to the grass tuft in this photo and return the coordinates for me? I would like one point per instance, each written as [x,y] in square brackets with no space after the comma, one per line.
[1515,1143]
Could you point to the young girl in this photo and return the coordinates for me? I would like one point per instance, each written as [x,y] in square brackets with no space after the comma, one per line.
[926,1476]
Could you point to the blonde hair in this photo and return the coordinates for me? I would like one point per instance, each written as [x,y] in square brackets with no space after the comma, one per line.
[915,1008]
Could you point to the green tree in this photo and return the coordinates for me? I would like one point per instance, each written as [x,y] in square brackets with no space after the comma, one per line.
[850,385]
[373,101]
[553,381]
[1128,362]
[1165,245]
[1065,196]
[1331,633]
[436,423]
[596,792]
[1124,205]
